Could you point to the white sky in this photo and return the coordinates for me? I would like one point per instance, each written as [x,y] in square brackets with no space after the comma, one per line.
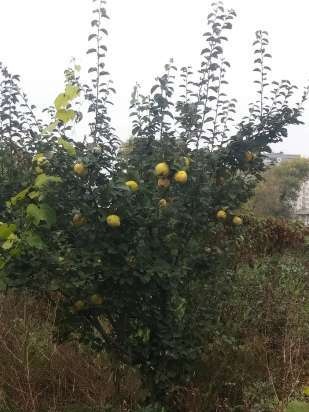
[39,37]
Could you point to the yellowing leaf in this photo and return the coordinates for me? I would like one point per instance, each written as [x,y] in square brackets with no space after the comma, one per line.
[43,180]
[8,244]
[61,101]
[68,147]
[65,115]
[306,390]
[71,91]
[39,158]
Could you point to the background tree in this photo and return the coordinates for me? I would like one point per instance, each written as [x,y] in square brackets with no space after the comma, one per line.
[277,193]
[18,134]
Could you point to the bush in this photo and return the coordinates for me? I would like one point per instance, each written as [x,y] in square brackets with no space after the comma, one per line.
[256,351]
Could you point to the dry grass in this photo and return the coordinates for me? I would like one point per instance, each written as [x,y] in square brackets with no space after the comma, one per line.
[38,375]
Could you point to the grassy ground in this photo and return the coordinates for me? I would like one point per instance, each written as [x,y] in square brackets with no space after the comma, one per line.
[298,406]
[37,375]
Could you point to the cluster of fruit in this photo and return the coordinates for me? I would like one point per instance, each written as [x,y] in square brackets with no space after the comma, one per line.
[162,170]
[39,161]
[95,300]
[223,215]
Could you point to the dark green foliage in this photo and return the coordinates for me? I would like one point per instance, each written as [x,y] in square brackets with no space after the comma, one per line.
[255,352]
[18,134]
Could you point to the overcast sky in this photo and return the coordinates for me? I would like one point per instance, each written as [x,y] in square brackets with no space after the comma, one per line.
[39,37]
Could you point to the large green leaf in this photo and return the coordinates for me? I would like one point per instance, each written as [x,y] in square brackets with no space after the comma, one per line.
[6,230]
[20,196]
[41,213]
[44,179]
[68,147]
[34,213]
[48,214]
[34,240]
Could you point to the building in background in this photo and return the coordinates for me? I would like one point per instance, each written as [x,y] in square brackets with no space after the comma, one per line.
[301,209]
[275,158]
[301,205]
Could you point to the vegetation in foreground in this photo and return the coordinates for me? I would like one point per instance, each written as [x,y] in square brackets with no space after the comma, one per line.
[255,355]
[137,248]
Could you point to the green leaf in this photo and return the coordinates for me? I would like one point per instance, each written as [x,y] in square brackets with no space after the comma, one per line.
[50,128]
[2,265]
[65,115]
[68,147]
[34,194]
[6,230]
[41,213]
[48,214]
[34,213]
[34,240]
[43,180]
[20,196]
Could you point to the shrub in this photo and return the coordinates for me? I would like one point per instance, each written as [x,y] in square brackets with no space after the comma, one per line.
[256,350]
